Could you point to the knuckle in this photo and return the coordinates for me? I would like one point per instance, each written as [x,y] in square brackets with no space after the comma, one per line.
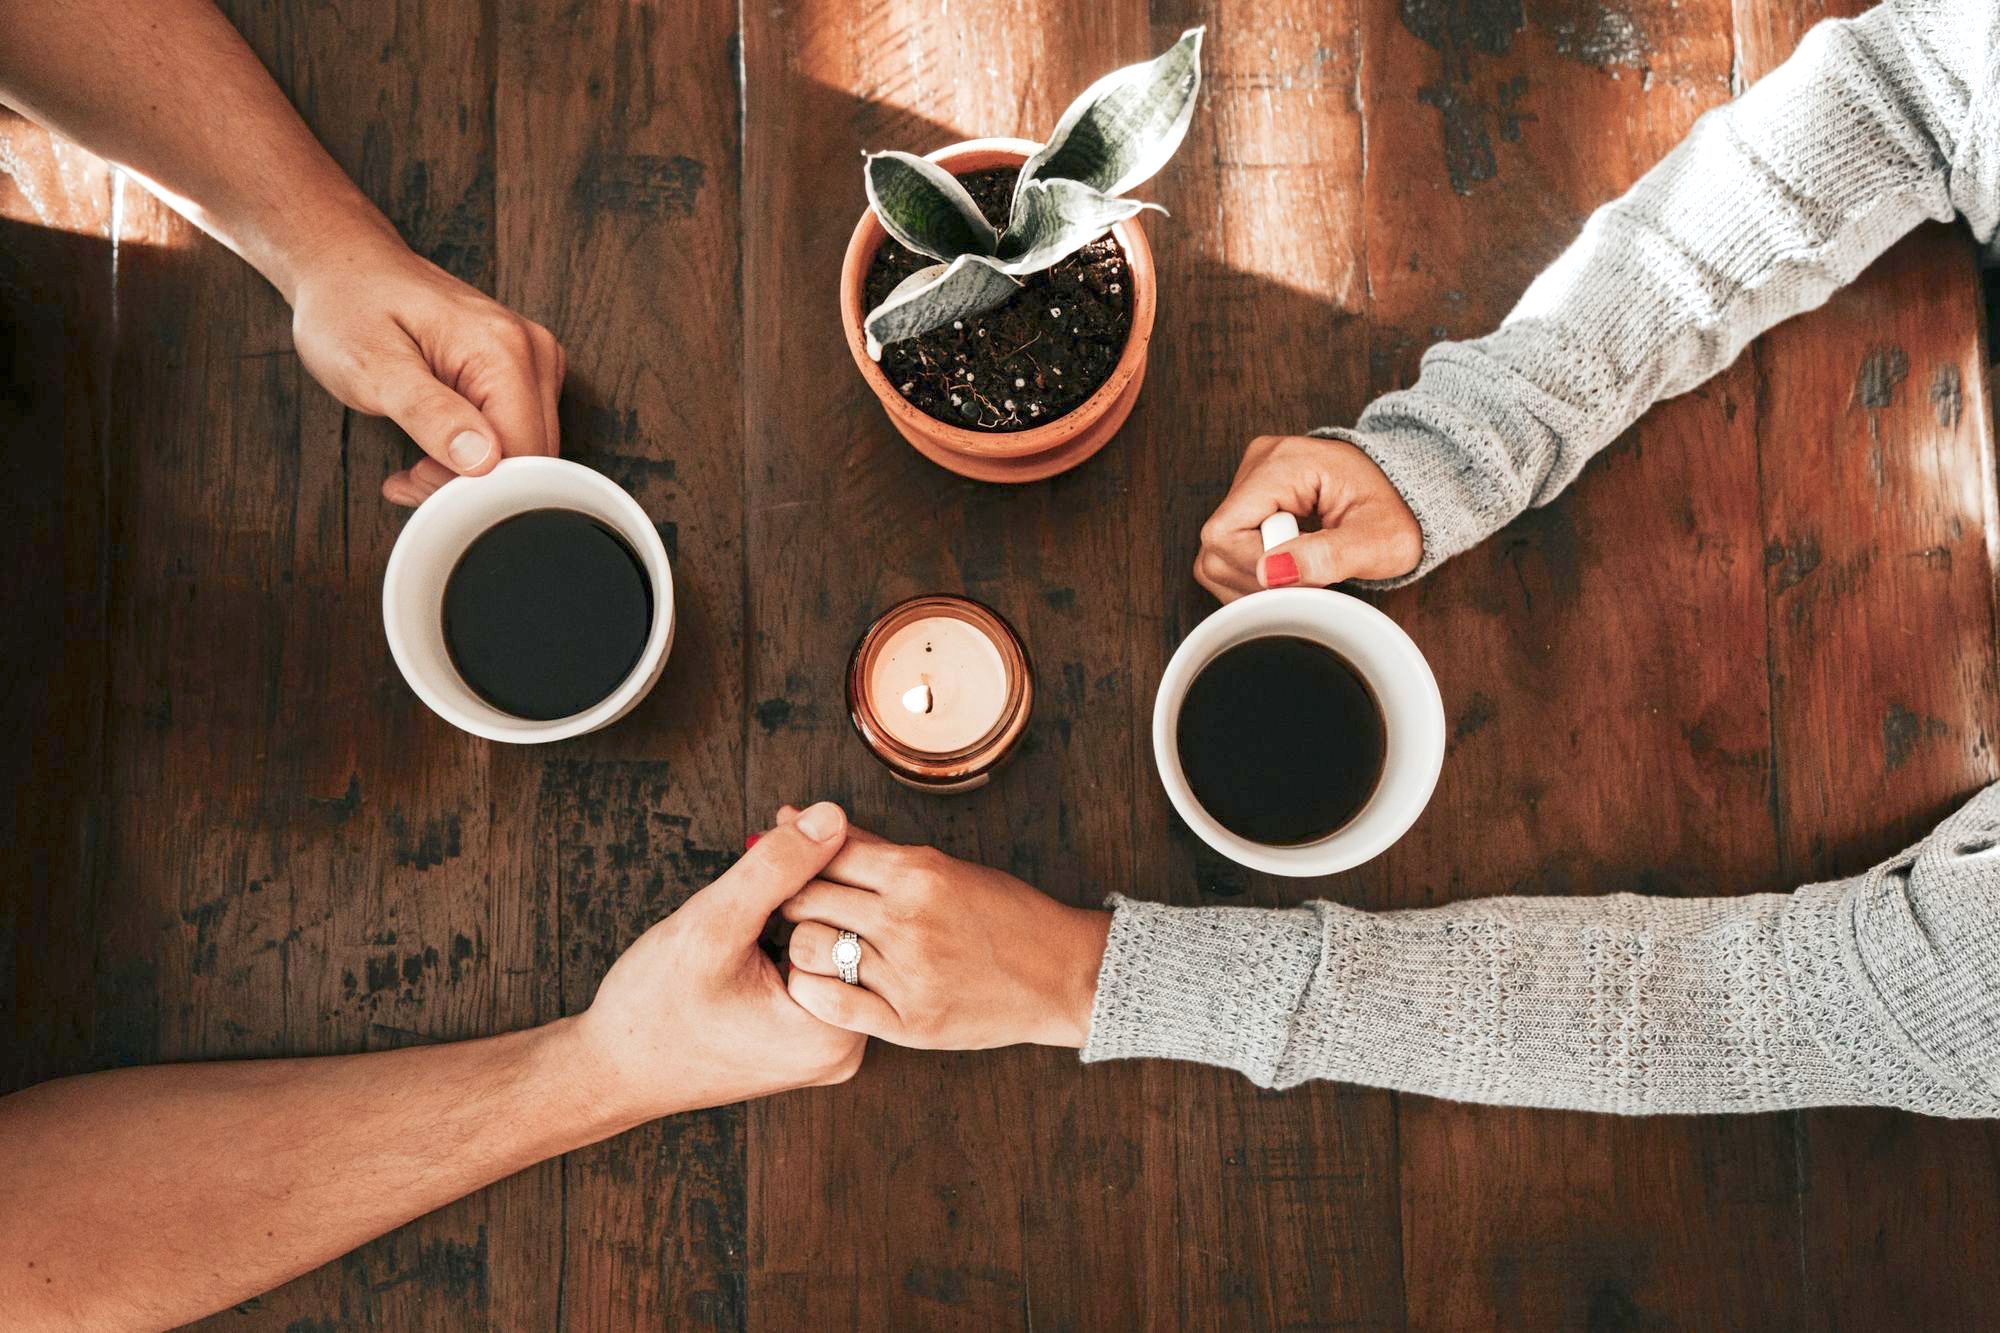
[1406,548]
[919,863]
[925,1019]
[842,1004]
[933,873]
[512,335]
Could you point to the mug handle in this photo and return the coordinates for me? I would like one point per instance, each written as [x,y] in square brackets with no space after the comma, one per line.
[1278,529]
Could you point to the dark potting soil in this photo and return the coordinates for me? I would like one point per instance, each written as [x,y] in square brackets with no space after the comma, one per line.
[1028,360]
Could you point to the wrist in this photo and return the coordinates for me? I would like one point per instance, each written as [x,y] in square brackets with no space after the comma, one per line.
[1078,955]
[582,1084]
[349,235]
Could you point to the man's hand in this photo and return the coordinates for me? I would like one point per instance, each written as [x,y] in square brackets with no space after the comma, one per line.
[954,956]
[1366,529]
[391,334]
[695,1015]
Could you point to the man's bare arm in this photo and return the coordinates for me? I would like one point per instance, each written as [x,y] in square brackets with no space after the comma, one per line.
[168,90]
[142,1198]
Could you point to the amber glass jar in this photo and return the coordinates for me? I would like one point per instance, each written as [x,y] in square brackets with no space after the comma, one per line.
[939,689]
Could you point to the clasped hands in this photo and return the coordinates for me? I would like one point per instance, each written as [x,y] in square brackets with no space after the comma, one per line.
[955,956]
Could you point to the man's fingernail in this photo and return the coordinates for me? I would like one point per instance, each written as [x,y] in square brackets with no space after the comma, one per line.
[820,822]
[751,841]
[468,450]
[1280,570]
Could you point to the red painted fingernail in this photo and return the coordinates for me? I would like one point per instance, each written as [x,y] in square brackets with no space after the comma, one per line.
[751,841]
[1280,570]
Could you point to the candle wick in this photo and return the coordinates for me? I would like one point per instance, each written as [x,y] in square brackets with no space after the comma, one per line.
[918,698]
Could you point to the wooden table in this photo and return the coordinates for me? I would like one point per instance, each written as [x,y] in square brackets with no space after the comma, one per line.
[1753,646]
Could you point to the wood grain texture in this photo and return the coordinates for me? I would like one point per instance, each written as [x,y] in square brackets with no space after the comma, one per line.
[1875,448]
[1617,632]
[618,223]
[1753,645]
[56,208]
[299,857]
[1267,245]
[938,1192]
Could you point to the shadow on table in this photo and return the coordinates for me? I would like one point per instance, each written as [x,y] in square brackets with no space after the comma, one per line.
[55,345]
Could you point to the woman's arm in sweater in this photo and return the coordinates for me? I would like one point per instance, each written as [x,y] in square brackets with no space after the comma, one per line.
[1879,990]
[1770,204]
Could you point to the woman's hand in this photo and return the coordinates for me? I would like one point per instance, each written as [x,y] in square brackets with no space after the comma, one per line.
[1366,529]
[391,334]
[695,1015]
[954,956]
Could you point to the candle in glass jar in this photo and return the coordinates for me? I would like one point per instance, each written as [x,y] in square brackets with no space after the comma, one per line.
[939,689]
[938,684]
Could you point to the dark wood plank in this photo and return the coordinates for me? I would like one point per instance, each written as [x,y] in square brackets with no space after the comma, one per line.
[299,858]
[1876,452]
[1602,664]
[55,357]
[1879,504]
[1285,1204]
[618,228]
[954,1191]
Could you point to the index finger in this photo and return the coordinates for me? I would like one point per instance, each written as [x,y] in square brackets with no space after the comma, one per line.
[1255,497]
[867,861]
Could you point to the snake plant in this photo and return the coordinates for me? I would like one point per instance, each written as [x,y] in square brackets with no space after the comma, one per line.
[1116,135]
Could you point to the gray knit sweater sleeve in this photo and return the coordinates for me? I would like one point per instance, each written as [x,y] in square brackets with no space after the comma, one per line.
[1882,990]
[1771,203]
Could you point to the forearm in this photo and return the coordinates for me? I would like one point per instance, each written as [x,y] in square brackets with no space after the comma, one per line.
[169,90]
[1879,990]
[146,1197]
[1768,206]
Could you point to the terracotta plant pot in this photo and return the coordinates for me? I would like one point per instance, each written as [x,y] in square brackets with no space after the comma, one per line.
[1026,455]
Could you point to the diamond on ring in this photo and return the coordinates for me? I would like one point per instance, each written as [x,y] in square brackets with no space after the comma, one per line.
[847,957]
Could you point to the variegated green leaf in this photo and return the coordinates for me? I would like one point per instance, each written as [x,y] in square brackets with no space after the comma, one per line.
[933,297]
[1126,125]
[925,208]
[1053,219]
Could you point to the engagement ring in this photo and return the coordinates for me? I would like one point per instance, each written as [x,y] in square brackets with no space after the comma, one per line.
[847,957]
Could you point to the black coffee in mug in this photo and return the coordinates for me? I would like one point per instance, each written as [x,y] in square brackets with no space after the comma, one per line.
[1281,740]
[547,613]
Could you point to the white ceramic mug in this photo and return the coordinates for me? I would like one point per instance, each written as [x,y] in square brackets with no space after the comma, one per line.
[1398,676]
[437,535]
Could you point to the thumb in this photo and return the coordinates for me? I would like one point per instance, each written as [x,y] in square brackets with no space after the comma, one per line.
[1312,560]
[443,424]
[778,865]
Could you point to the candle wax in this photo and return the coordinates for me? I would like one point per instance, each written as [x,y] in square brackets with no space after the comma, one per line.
[949,665]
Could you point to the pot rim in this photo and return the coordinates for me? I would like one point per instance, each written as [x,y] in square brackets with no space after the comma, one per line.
[868,237]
